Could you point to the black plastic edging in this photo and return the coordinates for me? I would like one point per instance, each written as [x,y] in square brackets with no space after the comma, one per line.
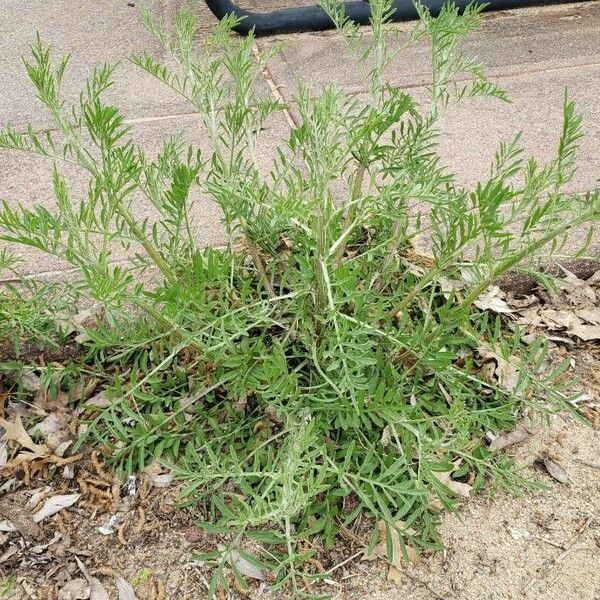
[314,18]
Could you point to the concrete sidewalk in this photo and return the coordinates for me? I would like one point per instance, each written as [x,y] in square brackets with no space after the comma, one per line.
[534,53]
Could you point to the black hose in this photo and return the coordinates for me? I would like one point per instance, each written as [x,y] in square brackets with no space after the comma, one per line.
[314,18]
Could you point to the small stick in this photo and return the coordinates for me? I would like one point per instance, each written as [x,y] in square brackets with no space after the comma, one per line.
[161,593]
[139,527]
[121,532]
[347,560]
[587,464]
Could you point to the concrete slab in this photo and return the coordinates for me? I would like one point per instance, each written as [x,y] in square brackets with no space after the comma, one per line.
[534,53]
[472,130]
[93,33]
[27,179]
[509,43]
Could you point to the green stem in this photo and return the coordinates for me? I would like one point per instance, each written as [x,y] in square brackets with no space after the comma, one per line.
[159,318]
[359,178]
[149,247]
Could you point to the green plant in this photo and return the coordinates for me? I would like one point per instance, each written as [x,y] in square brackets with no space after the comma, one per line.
[28,311]
[317,368]
[7,586]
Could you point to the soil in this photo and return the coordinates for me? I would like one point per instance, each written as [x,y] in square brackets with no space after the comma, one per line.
[544,545]
[30,352]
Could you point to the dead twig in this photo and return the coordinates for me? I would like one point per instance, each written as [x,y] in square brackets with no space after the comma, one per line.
[161,592]
[587,464]
[121,531]
[344,562]
[139,527]
[98,467]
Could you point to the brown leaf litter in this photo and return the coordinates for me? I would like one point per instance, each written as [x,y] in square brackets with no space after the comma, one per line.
[570,312]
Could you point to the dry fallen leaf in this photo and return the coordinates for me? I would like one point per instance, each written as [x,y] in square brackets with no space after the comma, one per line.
[245,567]
[162,480]
[458,487]
[556,472]
[76,323]
[520,302]
[31,382]
[530,317]
[589,314]
[506,371]
[76,589]
[99,400]
[97,590]
[397,562]
[395,576]
[558,319]
[125,589]
[574,310]
[18,517]
[54,430]
[54,505]
[584,332]
[492,299]
[15,432]
[3,455]
[516,436]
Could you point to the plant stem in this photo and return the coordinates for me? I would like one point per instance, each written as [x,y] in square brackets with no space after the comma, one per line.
[391,255]
[260,267]
[155,314]
[154,254]
[359,178]
[423,282]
